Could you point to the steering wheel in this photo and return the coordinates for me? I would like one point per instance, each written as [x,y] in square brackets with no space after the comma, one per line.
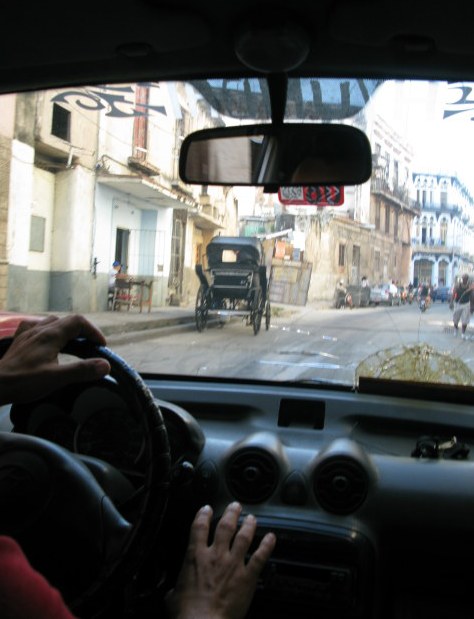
[63,519]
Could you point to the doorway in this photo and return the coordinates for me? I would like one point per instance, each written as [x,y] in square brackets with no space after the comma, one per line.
[122,242]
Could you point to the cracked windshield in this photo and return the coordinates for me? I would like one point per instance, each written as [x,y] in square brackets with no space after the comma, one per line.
[318,283]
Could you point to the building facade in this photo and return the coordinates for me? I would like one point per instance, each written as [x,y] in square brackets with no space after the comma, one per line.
[101,164]
[443,232]
[370,236]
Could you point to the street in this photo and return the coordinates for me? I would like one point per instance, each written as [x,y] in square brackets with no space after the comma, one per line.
[302,344]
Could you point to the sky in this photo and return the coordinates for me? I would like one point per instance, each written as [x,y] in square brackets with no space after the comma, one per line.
[437,119]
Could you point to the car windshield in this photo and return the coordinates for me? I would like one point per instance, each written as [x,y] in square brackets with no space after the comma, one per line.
[318,284]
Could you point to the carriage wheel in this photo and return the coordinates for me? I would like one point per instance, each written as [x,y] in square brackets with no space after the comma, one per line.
[202,308]
[268,314]
[257,311]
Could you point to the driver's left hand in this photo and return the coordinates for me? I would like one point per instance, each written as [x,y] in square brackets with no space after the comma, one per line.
[30,369]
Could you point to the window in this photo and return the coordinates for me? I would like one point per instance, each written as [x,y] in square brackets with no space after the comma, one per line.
[342,255]
[423,232]
[395,174]
[387,220]
[37,232]
[443,231]
[444,199]
[355,274]
[395,225]
[355,256]
[377,261]
[61,124]
[387,164]
[377,215]
[140,123]
[122,238]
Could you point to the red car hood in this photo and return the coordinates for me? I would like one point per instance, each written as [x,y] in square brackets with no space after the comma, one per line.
[9,322]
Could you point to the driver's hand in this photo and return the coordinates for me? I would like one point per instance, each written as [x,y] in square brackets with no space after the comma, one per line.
[30,369]
[215,582]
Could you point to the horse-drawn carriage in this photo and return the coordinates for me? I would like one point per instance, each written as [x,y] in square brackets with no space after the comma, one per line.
[235,282]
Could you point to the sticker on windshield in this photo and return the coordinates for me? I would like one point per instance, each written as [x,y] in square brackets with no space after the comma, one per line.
[317,195]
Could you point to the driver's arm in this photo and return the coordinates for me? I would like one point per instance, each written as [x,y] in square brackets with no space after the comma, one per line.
[24,593]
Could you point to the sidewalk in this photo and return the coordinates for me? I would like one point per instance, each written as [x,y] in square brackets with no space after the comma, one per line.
[126,326]
[122,326]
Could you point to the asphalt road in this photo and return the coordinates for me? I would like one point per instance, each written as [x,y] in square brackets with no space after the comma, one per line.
[309,344]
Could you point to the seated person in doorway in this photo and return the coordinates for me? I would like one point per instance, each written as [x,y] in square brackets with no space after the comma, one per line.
[114,271]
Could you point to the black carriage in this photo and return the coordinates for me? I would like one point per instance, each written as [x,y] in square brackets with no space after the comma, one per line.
[234,283]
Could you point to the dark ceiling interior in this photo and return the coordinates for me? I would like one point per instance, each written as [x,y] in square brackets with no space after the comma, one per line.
[56,43]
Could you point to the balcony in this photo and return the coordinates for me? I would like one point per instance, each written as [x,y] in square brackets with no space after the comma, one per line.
[434,246]
[454,210]
[397,195]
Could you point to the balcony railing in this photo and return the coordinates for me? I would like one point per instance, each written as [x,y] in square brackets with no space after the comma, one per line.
[453,209]
[434,246]
[395,194]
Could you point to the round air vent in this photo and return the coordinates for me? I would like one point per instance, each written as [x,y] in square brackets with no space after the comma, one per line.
[252,475]
[340,485]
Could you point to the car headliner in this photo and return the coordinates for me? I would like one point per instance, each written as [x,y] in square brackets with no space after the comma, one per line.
[52,44]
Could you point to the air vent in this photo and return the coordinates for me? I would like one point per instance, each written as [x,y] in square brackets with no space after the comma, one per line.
[252,475]
[340,485]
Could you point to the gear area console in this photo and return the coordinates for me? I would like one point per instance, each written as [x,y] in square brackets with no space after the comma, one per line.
[319,571]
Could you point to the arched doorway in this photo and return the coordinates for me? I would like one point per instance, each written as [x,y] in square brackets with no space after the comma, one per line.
[423,271]
[443,273]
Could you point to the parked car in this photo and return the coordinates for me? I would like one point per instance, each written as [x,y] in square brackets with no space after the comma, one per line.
[441,293]
[350,435]
[384,295]
[9,322]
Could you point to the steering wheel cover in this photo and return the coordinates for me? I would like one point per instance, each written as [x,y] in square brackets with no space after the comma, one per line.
[120,568]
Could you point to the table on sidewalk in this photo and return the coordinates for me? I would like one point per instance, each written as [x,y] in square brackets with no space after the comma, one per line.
[129,292]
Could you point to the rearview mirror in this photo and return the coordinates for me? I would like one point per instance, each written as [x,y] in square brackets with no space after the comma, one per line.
[282,155]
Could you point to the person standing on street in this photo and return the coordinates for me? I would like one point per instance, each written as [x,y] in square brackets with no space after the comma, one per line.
[463,299]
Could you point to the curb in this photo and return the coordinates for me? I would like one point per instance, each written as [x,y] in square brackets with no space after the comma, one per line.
[146,332]
[145,325]
[142,331]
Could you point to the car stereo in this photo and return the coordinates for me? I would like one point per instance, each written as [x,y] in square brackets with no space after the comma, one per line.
[315,570]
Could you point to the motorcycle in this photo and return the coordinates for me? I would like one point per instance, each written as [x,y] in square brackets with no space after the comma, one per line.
[424,303]
[343,299]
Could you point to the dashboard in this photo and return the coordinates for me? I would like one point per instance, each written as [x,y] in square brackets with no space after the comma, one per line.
[371,497]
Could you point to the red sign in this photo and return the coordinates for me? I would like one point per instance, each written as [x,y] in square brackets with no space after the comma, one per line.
[317,195]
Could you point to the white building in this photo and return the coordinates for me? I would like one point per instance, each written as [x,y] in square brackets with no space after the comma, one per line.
[443,234]
[105,159]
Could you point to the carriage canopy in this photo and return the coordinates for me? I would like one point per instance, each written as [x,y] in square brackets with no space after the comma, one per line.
[238,250]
